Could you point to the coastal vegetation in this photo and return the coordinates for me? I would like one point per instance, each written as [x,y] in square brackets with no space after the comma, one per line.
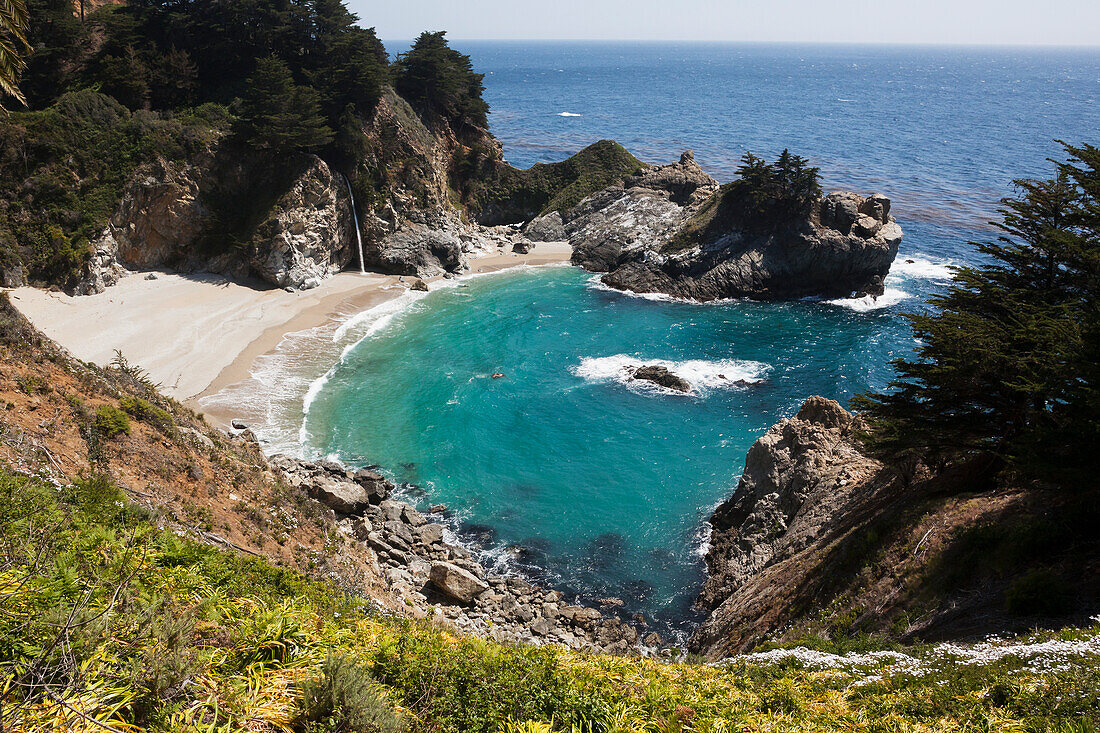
[764,195]
[110,623]
[506,195]
[1006,374]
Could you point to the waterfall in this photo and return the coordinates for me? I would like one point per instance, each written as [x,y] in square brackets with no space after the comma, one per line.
[355,217]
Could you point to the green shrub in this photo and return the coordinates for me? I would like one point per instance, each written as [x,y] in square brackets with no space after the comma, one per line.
[147,412]
[1039,592]
[346,699]
[111,422]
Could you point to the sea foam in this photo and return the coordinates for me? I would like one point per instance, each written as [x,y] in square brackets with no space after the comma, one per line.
[703,375]
[891,297]
[918,267]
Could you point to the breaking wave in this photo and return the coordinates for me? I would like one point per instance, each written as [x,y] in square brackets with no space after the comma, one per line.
[703,375]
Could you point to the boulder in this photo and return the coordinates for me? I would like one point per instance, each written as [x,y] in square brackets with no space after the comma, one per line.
[430,534]
[342,496]
[377,486]
[417,249]
[663,377]
[419,285]
[455,582]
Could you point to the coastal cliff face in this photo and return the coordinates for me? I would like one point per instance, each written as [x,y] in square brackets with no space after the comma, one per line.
[653,237]
[165,218]
[821,540]
[648,207]
[798,477]
[191,196]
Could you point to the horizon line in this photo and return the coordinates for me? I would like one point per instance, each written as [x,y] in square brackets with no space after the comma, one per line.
[940,44]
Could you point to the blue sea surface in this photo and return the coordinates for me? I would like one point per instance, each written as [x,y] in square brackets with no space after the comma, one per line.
[562,468]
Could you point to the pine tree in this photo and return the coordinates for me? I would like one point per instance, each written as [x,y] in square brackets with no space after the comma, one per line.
[1007,366]
[279,115]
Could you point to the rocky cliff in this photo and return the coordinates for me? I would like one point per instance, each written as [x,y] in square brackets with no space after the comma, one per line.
[216,205]
[165,218]
[820,540]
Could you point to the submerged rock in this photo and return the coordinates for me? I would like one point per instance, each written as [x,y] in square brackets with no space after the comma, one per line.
[662,376]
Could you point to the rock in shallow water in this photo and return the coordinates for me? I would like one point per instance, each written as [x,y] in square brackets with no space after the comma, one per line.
[662,376]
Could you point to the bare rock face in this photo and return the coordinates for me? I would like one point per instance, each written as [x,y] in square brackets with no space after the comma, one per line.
[619,222]
[847,252]
[14,276]
[662,376]
[546,228]
[159,217]
[309,235]
[420,250]
[462,585]
[685,181]
[798,479]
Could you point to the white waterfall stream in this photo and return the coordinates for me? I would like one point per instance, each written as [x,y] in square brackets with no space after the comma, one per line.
[355,217]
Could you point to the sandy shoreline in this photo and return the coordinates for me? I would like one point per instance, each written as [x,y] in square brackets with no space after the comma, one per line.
[198,334]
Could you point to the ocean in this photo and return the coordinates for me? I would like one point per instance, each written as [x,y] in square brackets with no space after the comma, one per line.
[561,469]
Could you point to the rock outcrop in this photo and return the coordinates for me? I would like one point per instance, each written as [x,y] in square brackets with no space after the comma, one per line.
[803,474]
[648,208]
[646,236]
[805,258]
[309,234]
[161,219]
[661,376]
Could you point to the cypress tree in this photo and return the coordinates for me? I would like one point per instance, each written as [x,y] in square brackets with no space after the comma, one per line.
[1007,367]
[279,115]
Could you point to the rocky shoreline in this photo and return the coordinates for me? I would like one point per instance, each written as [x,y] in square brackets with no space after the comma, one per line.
[443,581]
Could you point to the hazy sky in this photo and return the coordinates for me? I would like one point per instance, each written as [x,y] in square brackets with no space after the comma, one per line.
[1070,22]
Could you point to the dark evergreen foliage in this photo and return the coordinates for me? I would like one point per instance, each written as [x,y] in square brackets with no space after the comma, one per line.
[765,195]
[54,36]
[1009,363]
[173,54]
[772,193]
[438,81]
[279,115]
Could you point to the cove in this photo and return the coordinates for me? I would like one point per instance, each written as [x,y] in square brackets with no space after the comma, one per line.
[562,469]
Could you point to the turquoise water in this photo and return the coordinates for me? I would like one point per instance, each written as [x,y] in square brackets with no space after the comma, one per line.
[562,468]
[559,469]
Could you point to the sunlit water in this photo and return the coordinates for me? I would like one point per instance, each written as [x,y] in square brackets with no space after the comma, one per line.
[564,469]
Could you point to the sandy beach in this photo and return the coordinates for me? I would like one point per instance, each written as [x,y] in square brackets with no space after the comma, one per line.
[197,334]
